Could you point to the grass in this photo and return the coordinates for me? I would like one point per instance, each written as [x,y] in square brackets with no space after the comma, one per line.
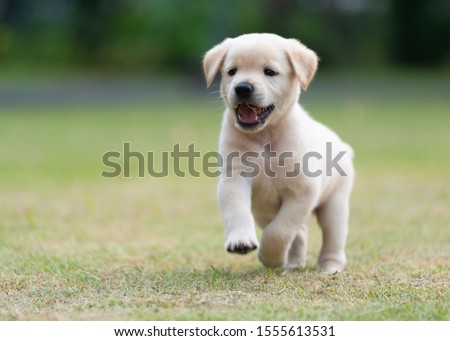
[76,246]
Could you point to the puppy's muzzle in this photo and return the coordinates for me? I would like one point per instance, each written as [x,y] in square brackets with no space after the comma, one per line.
[248,113]
[243,90]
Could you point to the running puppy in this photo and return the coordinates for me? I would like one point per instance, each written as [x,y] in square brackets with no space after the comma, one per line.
[262,75]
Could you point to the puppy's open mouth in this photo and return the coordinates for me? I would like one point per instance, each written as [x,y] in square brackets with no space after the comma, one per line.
[249,115]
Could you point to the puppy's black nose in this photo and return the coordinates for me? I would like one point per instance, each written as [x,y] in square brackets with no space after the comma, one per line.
[243,89]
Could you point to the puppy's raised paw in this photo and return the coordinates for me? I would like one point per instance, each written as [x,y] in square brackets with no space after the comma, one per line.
[241,245]
[241,248]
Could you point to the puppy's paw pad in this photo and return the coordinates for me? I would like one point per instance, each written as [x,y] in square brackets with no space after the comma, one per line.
[241,248]
[241,242]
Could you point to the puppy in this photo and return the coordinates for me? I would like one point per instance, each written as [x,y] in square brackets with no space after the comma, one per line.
[262,76]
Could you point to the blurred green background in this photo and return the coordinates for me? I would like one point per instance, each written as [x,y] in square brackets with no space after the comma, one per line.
[79,78]
[158,36]
[72,51]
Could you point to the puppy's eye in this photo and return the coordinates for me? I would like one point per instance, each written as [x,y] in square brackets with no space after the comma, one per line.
[232,72]
[270,72]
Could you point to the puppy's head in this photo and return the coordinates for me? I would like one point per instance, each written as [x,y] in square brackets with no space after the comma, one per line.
[261,76]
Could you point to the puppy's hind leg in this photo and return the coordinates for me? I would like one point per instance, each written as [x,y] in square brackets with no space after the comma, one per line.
[333,220]
[297,251]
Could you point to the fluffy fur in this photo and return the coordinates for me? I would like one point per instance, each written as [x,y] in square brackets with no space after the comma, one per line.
[280,205]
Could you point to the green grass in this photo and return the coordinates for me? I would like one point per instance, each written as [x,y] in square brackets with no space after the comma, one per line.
[76,246]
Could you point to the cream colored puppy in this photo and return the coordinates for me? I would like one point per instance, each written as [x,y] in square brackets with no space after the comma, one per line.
[266,138]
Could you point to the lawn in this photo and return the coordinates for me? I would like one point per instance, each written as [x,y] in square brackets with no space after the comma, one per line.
[78,246]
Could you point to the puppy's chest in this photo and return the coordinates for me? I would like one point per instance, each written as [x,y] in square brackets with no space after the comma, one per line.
[268,192]
[278,170]
[279,175]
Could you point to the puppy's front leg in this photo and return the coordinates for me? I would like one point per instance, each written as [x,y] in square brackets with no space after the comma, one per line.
[279,235]
[235,205]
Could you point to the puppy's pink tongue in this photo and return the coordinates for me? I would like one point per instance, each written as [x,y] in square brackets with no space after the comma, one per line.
[248,114]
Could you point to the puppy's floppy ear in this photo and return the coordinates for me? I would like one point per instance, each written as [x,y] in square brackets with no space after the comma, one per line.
[303,60]
[213,60]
